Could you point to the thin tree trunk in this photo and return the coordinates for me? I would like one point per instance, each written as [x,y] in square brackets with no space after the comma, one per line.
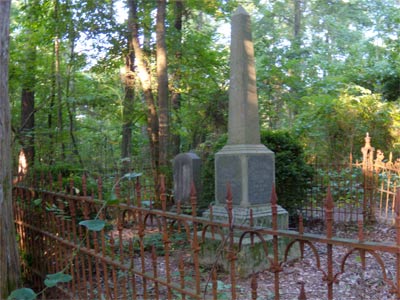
[162,79]
[27,124]
[68,90]
[27,138]
[176,77]
[128,104]
[127,112]
[9,260]
[144,77]
[297,21]
[57,58]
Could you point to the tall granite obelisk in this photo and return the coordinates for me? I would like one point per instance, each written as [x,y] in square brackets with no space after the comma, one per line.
[246,164]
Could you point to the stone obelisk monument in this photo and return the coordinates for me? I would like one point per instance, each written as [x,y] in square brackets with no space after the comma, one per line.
[246,164]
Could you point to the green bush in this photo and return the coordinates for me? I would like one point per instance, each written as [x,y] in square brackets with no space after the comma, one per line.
[292,173]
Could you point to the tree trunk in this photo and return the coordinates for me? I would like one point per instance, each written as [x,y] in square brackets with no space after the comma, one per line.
[128,105]
[176,77]
[27,124]
[57,72]
[9,261]
[145,81]
[297,21]
[27,138]
[162,80]
[128,108]
[71,109]
[28,107]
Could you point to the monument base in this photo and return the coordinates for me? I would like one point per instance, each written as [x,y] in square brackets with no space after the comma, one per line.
[250,172]
[252,256]
[262,215]
[250,259]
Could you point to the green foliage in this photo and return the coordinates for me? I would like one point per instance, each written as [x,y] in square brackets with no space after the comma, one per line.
[345,184]
[334,126]
[93,225]
[292,173]
[337,44]
[53,279]
[176,241]
[22,294]
[208,149]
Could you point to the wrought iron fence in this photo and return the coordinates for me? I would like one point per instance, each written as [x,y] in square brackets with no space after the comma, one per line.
[384,175]
[346,183]
[148,253]
[364,190]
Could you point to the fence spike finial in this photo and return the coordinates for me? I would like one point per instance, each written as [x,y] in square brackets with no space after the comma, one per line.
[193,199]
[274,208]
[228,192]
[274,197]
[329,213]
[229,204]
[360,231]
[84,184]
[397,199]
[302,295]
[163,196]
[301,224]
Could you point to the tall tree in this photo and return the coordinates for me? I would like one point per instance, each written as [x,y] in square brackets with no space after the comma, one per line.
[57,77]
[9,262]
[129,97]
[176,78]
[162,83]
[145,80]
[27,136]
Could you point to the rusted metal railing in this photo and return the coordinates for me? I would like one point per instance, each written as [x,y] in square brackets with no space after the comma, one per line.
[147,253]
[364,190]
[381,179]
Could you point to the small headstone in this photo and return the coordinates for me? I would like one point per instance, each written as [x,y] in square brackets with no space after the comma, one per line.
[187,169]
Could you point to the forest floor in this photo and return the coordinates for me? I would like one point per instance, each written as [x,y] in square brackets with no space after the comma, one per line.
[354,283]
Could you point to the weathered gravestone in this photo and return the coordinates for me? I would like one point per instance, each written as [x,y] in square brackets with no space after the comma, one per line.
[246,164]
[186,170]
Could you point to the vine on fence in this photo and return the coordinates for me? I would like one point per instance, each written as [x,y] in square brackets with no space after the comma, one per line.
[94,224]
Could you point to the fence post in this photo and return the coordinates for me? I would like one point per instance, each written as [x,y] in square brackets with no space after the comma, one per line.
[231,251]
[195,242]
[367,170]
[276,267]
[397,222]
[329,233]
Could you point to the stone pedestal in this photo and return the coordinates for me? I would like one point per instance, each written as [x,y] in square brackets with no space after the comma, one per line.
[250,171]
[262,215]
[250,259]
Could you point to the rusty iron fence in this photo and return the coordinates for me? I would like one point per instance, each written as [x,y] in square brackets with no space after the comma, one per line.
[149,253]
[362,190]
[346,183]
[384,176]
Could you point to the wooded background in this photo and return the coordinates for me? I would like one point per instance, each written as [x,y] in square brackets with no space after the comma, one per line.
[126,85]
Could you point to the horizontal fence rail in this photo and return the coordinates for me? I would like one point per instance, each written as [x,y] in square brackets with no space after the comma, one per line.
[148,253]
